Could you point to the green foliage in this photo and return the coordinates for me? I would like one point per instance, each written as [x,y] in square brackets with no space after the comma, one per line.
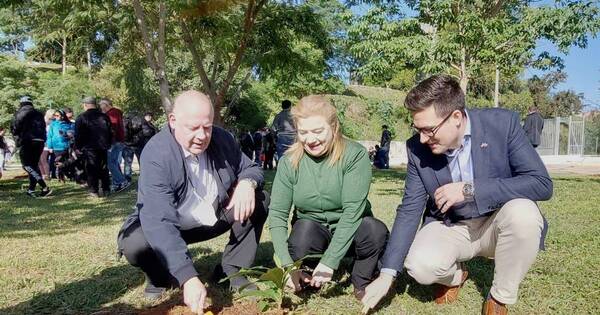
[248,113]
[16,80]
[592,134]
[58,91]
[519,102]
[363,110]
[465,37]
[273,280]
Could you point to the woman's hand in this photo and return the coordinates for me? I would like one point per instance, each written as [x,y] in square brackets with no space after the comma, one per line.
[321,275]
[296,279]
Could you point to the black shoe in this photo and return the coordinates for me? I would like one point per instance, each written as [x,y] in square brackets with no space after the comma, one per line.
[153,293]
[46,192]
[241,283]
[31,194]
[94,194]
[122,186]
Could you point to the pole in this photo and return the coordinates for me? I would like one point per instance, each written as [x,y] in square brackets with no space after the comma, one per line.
[497,88]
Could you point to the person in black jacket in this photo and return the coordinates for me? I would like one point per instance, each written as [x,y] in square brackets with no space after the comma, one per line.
[386,139]
[138,132]
[534,123]
[93,137]
[195,184]
[29,129]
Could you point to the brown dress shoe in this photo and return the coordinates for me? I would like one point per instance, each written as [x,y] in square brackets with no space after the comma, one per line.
[493,307]
[445,294]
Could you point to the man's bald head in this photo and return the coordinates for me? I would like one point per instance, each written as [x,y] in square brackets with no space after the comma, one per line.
[192,101]
[191,120]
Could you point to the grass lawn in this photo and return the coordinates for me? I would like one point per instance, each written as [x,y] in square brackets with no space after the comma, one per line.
[58,256]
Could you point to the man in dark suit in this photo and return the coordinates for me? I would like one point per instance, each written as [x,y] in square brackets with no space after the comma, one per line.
[195,184]
[93,137]
[472,181]
[534,123]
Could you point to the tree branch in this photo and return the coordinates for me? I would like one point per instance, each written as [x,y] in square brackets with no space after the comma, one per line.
[249,19]
[141,21]
[239,89]
[198,62]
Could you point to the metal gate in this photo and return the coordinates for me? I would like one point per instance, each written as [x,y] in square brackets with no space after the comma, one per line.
[563,136]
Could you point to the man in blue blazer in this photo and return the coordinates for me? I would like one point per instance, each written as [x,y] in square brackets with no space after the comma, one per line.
[472,182]
[195,184]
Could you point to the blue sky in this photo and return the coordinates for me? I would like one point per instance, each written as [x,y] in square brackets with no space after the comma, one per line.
[582,66]
[583,70]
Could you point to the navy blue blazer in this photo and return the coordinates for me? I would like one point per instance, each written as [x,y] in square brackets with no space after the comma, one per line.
[163,185]
[505,167]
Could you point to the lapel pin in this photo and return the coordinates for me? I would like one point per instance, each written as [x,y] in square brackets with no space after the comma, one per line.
[484,145]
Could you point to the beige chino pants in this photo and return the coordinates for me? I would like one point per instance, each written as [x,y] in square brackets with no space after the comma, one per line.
[511,236]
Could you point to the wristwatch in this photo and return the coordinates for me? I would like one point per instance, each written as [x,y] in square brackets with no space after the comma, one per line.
[252,182]
[468,191]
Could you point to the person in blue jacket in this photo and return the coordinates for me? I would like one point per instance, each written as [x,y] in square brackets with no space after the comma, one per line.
[58,140]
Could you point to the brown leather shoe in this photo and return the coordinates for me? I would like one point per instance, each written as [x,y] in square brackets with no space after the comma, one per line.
[445,294]
[493,307]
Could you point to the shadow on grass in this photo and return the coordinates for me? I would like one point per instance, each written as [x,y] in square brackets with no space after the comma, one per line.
[91,295]
[67,210]
[83,296]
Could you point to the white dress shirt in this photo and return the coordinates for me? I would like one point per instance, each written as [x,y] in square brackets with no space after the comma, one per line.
[199,206]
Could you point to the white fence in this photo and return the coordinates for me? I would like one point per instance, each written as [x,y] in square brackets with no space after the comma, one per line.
[563,136]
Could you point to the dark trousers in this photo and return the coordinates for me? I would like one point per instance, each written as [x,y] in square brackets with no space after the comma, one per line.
[128,154]
[239,252]
[385,157]
[309,237]
[59,157]
[268,162]
[96,169]
[30,154]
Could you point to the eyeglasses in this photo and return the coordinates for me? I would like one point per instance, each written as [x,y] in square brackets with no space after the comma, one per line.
[430,132]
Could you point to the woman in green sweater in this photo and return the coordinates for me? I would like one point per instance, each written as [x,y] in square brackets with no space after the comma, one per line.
[325,178]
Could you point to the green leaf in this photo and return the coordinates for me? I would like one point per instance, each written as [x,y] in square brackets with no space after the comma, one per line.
[270,294]
[275,275]
[263,306]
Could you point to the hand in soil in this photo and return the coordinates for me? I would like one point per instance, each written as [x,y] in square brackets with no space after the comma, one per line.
[194,295]
[321,275]
[297,279]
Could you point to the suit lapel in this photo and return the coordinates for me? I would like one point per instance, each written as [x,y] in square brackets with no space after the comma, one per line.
[440,168]
[479,146]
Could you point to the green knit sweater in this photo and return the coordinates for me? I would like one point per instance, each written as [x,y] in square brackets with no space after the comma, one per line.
[335,196]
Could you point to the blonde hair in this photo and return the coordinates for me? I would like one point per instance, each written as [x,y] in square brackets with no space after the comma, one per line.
[49,114]
[317,105]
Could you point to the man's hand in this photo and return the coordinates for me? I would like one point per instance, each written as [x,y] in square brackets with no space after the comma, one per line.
[321,275]
[375,291]
[194,295]
[449,195]
[296,279]
[242,201]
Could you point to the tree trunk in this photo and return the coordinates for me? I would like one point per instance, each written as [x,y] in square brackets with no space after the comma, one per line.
[497,88]
[208,85]
[158,67]
[89,63]
[464,76]
[64,55]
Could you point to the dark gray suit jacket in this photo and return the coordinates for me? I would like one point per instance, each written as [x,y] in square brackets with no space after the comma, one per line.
[534,123]
[163,185]
[505,167]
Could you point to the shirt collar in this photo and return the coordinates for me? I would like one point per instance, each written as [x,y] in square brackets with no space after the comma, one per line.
[466,136]
[187,154]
